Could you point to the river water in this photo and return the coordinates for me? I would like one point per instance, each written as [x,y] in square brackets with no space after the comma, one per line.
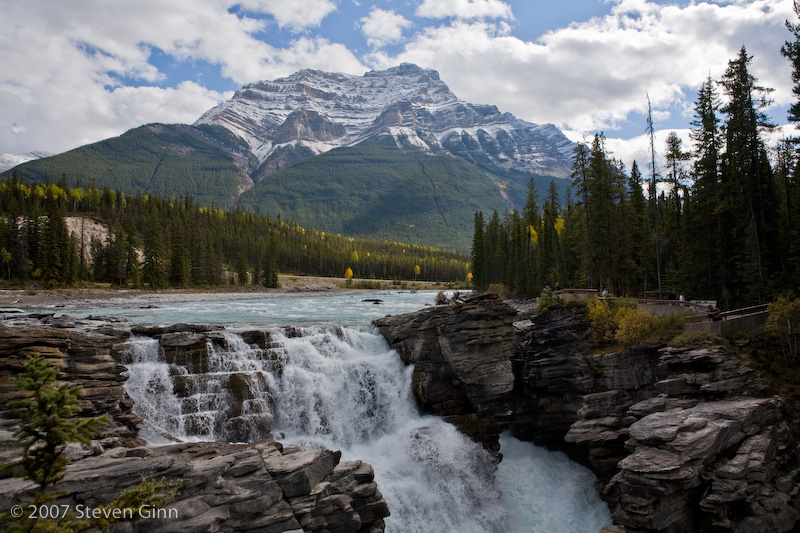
[332,381]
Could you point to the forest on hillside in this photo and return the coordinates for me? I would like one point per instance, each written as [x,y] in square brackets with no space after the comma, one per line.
[721,220]
[160,242]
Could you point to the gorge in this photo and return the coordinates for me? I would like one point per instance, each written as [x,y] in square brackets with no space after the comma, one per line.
[680,439]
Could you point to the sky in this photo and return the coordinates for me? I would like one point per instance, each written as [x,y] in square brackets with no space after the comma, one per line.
[79,71]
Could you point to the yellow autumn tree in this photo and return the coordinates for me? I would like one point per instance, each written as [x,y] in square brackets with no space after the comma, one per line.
[348,274]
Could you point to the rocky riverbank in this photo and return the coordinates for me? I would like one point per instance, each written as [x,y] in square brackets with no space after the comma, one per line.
[225,487]
[682,439]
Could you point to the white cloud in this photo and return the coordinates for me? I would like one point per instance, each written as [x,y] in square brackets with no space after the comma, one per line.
[296,14]
[67,68]
[464,9]
[591,76]
[383,27]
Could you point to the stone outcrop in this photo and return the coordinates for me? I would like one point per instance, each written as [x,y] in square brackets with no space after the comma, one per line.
[682,439]
[224,487]
[228,487]
[87,354]
[462,358]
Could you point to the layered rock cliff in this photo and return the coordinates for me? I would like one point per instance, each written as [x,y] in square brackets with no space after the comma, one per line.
[225,487]
[682,439]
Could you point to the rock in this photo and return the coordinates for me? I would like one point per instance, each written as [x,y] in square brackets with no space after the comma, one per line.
[228,487]
[684,439]
[462,356]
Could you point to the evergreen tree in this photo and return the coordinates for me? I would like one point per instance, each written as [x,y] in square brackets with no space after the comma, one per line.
[747,188]
[154,270]
[703,255]
[791,161]
[550,246]
[532,226]
[48,424]
[179,265]
[269,272]
[480,267]
[791,51]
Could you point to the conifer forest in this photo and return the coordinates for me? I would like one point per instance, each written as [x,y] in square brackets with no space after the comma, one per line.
[156,242]
[719,220]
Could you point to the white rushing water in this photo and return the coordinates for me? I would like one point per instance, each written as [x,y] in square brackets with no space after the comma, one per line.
[343,388]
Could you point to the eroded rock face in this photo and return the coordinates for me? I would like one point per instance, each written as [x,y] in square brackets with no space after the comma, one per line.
[684,439]
[86,352]
[462,356]
[229,487]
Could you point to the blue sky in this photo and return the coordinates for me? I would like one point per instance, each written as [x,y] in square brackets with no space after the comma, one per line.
[81,71]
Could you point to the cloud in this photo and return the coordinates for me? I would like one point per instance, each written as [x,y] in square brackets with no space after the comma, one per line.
[464,9]
[78,72]
[591,76]
[297,14]
[383,27]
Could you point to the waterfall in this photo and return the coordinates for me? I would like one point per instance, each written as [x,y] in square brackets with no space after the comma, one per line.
[344,389]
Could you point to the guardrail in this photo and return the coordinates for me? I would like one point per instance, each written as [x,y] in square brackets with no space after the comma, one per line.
[727,322]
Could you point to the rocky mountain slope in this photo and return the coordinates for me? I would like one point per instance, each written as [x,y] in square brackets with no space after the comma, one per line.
[315,111]
[391,155]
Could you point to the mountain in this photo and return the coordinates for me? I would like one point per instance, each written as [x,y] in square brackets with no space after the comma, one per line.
[392,154]
[8,161]
[311,112]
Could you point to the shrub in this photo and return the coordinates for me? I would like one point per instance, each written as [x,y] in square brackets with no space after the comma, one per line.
[497,289]
[621,321]
[633,326]
[548,300]
[601,318]
[699,339]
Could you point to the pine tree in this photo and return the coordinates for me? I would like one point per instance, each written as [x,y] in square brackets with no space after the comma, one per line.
[747,187]
[480,274]
[179,265]
[269,272]
[675,180]
[154,270]
[703,255]
[791,173]
[47,423]
[532,225]
[550,246]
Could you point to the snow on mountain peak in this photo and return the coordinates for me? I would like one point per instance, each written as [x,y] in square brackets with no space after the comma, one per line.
[323,110]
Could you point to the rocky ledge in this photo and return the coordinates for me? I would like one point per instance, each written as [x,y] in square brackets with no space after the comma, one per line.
[227,487]
[681,439]
[224,487]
